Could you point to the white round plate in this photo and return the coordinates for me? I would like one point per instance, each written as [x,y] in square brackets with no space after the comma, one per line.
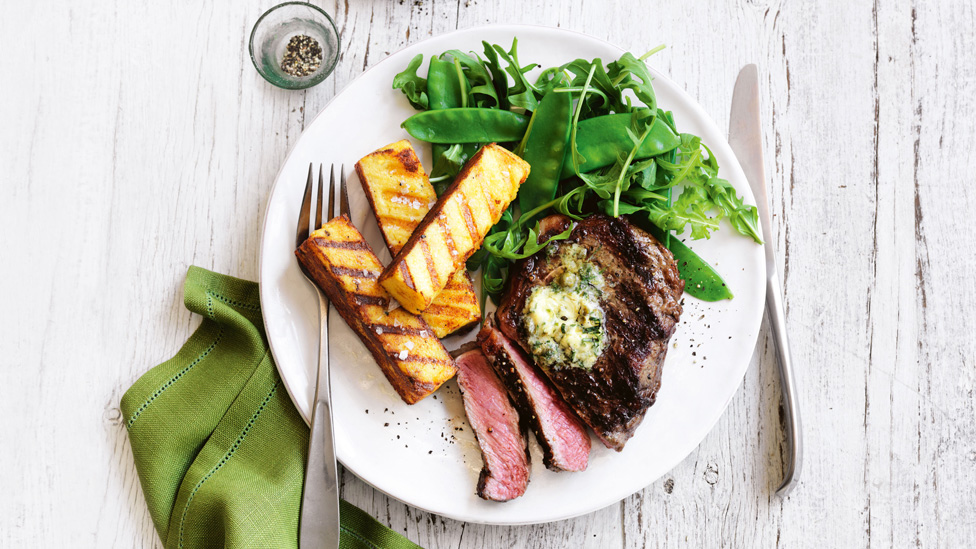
[425,455]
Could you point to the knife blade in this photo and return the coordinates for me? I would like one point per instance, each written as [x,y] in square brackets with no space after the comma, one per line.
[745,138]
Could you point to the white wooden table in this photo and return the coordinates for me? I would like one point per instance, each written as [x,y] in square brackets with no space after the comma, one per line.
[136,139]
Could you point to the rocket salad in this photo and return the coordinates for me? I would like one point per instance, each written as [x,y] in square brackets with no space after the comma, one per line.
[596,141]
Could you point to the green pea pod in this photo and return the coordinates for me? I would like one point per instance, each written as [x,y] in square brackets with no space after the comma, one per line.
[545,149]
[600,139]
[443,86]
[701,280]
[470,125]
[444,91]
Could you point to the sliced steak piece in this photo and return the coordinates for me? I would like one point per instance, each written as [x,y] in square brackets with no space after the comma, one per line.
[641,303]
[495,422]
[562,436]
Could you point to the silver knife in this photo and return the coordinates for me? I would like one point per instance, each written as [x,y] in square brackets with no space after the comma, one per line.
[745,137]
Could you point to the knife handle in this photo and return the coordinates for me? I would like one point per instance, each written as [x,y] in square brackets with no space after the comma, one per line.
[791,408]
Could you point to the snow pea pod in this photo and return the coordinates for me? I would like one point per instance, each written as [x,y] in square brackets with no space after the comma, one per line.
[443,86]
[701,280]
[600,139]
[545,149]
[470,125]
[444,91]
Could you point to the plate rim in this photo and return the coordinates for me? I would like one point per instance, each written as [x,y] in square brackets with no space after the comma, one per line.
[688,102]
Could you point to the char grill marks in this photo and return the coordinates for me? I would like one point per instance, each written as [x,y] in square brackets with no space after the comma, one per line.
[400,195]
[496,425]
[454,227]
[641,301]
[342,264]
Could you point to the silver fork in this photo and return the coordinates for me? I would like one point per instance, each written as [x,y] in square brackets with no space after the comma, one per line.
[319,522]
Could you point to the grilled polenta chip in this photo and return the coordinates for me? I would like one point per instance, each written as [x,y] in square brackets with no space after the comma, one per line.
[342,264]
[400,194]
[455,227]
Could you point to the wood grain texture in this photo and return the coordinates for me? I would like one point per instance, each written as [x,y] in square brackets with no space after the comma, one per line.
[137,140]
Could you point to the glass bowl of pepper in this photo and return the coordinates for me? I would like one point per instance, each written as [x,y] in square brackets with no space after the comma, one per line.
[294,45]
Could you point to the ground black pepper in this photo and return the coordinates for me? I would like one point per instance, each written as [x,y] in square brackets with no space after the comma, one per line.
[303,56]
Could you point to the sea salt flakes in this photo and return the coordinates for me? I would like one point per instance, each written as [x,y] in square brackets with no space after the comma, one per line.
[398,199]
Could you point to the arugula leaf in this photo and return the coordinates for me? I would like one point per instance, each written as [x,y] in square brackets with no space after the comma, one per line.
[602,182]
[497,76]
[494,273]
[449,163]
[503,225]
[413,86]
[506,243]
[679,172]
[668,118]
[641,196]
[610,98]
[743,218]
[623,180]
[575,155]
[645,174]
[571,202]
[686,211]
[481,86]
[494,269]
[693,205]
[523,94]
[623,208]
[622,72]
[549,79]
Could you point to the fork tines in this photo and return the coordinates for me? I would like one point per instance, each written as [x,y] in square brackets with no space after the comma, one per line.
[305,215]
[343,198]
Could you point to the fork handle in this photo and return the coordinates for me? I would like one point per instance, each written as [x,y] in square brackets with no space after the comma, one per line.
[319,526]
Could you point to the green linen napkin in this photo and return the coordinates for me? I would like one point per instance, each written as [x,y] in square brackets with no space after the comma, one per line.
[219,447]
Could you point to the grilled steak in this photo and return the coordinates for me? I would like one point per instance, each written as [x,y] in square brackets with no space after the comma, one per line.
[562,436]
[495,422]
[639,293]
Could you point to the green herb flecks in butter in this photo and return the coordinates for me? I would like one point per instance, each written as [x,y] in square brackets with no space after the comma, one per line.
[564,320]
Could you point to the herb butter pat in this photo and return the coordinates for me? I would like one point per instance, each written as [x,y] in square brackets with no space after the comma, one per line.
[564,320]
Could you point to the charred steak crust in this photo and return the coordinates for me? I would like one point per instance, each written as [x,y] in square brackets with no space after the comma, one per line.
[642,304]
